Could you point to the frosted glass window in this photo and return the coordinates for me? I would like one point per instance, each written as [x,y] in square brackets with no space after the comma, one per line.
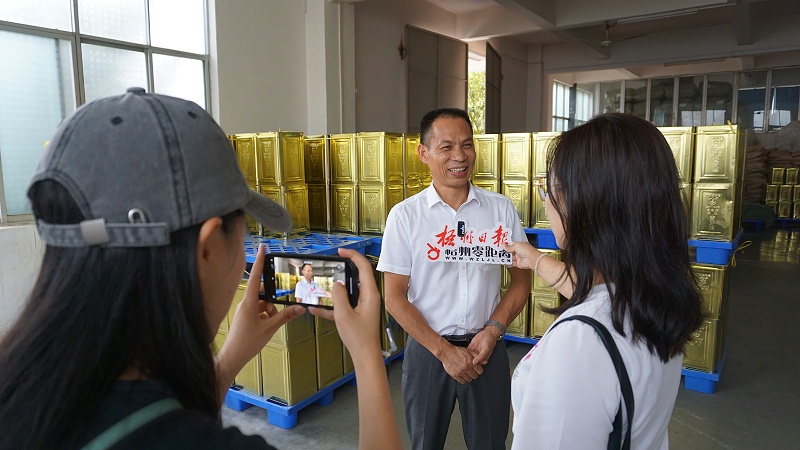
[123,20]
[41,13]
[36,93]
[584,104]
[179,77]
[610,96]
[752,97]
[111,71]
[784,97]
[178,25]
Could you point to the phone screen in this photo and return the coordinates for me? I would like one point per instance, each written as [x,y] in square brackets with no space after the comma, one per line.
[308,279]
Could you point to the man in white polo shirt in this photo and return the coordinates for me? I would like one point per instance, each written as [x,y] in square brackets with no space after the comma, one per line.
[441,256]
[307,291]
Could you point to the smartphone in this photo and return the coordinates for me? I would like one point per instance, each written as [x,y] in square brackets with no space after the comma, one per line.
[308,279]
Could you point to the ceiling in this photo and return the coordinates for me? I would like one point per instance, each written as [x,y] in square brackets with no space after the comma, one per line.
[577,35]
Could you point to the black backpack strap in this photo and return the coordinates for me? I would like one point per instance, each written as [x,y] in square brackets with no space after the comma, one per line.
[131,423]
[615,438]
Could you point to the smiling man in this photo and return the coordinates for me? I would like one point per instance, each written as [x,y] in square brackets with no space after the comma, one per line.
[441,256]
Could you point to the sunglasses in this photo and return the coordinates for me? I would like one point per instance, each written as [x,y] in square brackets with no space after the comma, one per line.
[541,183]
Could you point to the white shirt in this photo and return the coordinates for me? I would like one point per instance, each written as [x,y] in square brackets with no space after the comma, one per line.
[565,392]
[308,291]
[453,297]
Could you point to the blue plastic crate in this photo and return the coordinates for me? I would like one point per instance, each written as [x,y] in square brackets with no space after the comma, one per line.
[696,380]
[544,237]
[716,252]
[320,244]
[375,245]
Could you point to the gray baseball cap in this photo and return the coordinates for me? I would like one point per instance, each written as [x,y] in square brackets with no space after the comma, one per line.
[141,166]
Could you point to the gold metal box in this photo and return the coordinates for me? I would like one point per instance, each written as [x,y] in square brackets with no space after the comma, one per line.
[323,326]
[489,185]
[713,281]
[519,192]
[541,144]
[280,158]
[681,141]
[487,157]
[686,193]
[414,166]
[796,193]
[538,285]
[219,339]
[714,212]
[296,203]
[295,331]
[704,351]
[778,175]
[785,210]
[398,334]
[347,360]
[249,378]
[316,159]
[344,208]
[413,188]
[381,158]
[519,326]
[343,159]
[237,298]
[792,175]
[319,207]
[785,193]
[772,192]
[539,217]
[329,359]
[245,145]
[719,155]
[539,320]
[516,156]
[290,373]
[796,210]
[375,202]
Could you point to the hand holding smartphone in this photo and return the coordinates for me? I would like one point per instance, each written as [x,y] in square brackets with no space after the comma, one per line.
[308,279]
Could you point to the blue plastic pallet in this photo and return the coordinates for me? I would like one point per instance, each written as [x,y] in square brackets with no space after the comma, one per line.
[522,339]
[784,223]
[375,245]
[280,415]
[716,252]
[544,237]
[695,380]
[320,244]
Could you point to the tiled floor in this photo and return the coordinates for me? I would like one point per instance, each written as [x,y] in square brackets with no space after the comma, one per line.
[757,400]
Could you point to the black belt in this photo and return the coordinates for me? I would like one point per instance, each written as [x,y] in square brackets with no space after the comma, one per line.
[459,340]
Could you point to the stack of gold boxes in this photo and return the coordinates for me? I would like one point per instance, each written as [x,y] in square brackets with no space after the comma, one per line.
[783,192]
[681,141]
[272,164]
[515,173]
[706,348]
[318,180]
[344,183]
[541,144]
[532,321]
[486,171]
[381,178]
[417,177]
[718,183]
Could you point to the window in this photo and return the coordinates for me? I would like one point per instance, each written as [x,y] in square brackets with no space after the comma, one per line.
[158,45]
[572,106]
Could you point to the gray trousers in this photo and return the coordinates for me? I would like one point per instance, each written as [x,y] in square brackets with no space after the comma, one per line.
[430,394]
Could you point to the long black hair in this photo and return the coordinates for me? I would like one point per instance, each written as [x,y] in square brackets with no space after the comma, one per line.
[93,313]
[615,184]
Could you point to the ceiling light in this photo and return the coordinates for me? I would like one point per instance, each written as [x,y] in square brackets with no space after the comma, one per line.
[663,15]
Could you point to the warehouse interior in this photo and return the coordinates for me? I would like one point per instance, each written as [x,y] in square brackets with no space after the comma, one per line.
[323,67]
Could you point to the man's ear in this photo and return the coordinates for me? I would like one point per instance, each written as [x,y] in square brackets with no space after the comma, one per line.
[422,152]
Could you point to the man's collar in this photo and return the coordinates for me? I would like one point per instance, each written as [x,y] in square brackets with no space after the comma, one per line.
[433,196]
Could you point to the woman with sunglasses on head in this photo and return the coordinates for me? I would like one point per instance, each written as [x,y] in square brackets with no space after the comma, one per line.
[614,203]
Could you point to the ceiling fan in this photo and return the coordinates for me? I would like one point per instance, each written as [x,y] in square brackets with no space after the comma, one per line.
[605,43]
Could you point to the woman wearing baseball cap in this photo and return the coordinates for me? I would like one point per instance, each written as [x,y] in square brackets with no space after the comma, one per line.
[141,204]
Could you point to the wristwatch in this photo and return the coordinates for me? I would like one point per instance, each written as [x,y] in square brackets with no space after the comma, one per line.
[497,325]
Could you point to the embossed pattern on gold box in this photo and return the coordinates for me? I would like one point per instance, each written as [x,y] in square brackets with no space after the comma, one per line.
[772,192]
[784,210]
[792,175]
[713,212]
[785,193]
[541,145]
[489,185]
[487,156]
[519,326]
[519,193]
[381,158]
[413,165]
[280,158]
[538,285]
[319,207]
[246,155]
[681,141]
[296,202]
[778,174]
[375,204]
[540,321]
[718,155]
[344,208]
[539,217]
[704,351]
[343,157]
[796,193]
[316,159]
[713,281]
[516,156]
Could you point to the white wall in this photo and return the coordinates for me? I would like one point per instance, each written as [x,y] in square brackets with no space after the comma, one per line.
[20,257]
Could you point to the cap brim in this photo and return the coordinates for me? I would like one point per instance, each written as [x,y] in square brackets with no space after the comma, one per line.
[268,213]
